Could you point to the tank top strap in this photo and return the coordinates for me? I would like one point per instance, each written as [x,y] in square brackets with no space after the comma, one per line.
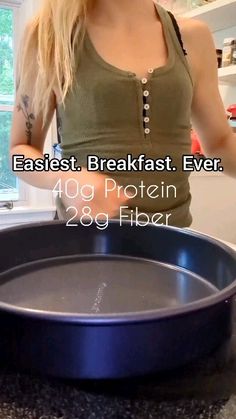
[177,31]
[170,21]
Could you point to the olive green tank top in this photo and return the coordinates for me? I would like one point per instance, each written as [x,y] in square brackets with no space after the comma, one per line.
[111,113]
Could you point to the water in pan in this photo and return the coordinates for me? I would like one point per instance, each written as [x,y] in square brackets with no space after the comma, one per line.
[101,284]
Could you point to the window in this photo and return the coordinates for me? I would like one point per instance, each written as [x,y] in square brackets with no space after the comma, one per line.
[15,195]
[9,185]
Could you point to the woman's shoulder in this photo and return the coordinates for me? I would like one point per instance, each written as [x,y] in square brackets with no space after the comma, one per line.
[193,29]
[198,41]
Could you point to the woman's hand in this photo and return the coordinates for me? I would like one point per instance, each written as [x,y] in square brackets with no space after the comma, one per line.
[87,189]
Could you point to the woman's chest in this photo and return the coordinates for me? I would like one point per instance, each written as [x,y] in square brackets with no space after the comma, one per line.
[131,51]
[105,100]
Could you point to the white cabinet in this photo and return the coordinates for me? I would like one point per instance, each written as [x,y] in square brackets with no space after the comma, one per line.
[214,205]
[219,14]
[227,75]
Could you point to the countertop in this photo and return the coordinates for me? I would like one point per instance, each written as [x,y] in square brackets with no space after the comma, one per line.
[203,390]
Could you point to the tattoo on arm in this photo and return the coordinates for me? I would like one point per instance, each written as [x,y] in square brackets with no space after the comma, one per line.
[24,107]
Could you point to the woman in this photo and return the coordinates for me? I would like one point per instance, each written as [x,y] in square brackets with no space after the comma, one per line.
[125,79]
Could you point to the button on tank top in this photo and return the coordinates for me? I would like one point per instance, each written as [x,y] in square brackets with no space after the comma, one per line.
[111,113]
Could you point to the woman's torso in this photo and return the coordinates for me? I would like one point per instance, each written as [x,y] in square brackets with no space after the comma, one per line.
[112,112]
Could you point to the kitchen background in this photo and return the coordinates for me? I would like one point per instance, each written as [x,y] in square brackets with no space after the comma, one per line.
[213,194]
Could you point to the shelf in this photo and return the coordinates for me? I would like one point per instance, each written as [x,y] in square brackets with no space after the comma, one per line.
[227,75]
[218,15]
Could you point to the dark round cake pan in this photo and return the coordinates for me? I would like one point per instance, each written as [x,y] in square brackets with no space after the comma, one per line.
[78,302]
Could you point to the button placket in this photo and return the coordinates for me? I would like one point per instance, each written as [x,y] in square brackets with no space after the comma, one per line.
[146,105]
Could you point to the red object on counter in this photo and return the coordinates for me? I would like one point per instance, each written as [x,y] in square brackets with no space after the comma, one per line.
[196,145]
[232,110]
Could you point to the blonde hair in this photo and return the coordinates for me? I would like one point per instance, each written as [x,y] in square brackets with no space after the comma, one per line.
[48,54]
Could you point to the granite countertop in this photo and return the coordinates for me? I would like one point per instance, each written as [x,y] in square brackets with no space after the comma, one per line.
[204,390]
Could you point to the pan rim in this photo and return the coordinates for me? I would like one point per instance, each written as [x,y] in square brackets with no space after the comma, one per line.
[224,295]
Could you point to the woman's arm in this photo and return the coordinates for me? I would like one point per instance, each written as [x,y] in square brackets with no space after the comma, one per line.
[208,113]
[28,137]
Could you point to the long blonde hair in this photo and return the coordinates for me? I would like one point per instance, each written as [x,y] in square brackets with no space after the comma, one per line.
[50,44]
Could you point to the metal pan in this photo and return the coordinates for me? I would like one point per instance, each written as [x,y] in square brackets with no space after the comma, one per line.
[126,301]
